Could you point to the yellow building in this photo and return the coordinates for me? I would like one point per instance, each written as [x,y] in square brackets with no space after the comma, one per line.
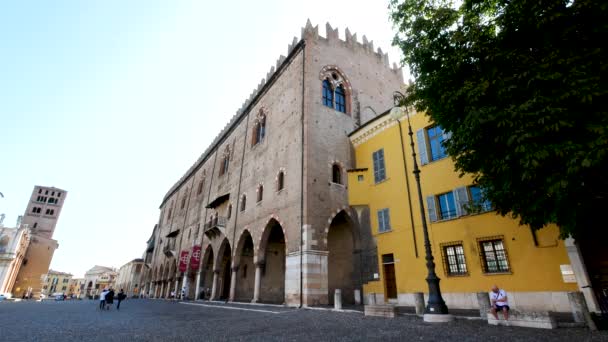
[55,282]
[474,248]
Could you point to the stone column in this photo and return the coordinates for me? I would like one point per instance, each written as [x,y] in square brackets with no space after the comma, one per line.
[338,299]
[198,285]
[162,288]
[216,274]
[580,272]
[177,290]
[185,285]
[257,282]
[483,299]
[419,303]
[234,270]
[580,312]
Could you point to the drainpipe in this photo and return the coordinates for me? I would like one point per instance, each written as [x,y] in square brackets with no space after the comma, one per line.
[407,185]
[302,179]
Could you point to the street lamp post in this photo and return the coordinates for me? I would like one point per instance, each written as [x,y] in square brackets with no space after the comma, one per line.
[436,310]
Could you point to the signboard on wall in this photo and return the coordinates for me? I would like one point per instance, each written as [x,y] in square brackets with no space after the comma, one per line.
[567,274]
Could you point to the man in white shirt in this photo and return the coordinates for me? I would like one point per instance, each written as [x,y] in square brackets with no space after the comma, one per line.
[102,299]
[498,299]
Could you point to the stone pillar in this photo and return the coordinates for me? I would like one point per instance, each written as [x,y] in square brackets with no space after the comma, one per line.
[162,290]
[198,285]
[357,297]
[257,282]
[419,303]
[185,286]
[177,291]
[216,274]
[483,299]
[338,300]
[580,272]
[234,270]
[580,312]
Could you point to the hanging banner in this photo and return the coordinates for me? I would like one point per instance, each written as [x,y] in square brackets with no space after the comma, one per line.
[183,261]
[195,259]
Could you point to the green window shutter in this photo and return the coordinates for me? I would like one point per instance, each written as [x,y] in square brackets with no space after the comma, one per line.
[461,197]
[430,203]
[422,152]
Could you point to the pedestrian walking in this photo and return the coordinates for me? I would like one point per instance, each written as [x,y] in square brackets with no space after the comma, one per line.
[119,298]
[109,299]
[102,299]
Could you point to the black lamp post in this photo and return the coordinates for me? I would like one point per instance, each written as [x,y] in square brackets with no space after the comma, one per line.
[436,310]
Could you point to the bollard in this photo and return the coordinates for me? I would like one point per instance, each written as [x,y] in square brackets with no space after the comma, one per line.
[483,299]
[338,300]
[580,312]
[419,303]
[357,297]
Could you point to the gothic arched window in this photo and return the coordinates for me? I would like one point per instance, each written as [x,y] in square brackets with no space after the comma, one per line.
[328,94]
[259,129]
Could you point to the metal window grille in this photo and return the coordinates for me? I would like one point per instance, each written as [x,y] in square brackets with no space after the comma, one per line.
[493,255]
[454,261]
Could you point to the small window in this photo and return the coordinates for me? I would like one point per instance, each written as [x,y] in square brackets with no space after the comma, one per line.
[260,193]
[388,259]
[494,256]
[201,184]
[379,170]
[259,131]
[169,215]
[39,191]
[34,209]
[453,259]
[243,202]
[340,99]
[328,94]
[46,192]
[336,174]
[48,212]
[447,206]
[360,178]
[229,211]
[183,203]
[384,221]
[52,211]
[53,193]
[35,224]
[225,164]
[59,194]
[280,181]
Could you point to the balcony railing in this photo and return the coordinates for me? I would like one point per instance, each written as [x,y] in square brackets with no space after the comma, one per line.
[216,222]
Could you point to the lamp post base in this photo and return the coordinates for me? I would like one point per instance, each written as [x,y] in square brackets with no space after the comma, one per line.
[438,318]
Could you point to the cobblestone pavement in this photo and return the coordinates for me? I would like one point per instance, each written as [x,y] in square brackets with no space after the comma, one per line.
[156,320]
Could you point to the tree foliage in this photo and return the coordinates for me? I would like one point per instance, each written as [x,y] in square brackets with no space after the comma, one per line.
[519,84]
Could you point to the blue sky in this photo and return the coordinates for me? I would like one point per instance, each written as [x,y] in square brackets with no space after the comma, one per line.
[114,100]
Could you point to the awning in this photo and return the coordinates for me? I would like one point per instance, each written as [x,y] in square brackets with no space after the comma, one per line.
[219,200]
[173,233]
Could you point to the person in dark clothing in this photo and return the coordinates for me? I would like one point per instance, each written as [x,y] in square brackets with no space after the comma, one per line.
[119,298]
[109,299]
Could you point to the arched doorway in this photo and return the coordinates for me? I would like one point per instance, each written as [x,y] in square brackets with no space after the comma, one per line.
[246,272]
[224,263]
[272,250]
[207,274]
[340,260]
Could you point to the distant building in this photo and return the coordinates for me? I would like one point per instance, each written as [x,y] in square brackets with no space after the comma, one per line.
[98,278]
[75,287]
[55,282]
[41,217]
[13,246]
[129,277]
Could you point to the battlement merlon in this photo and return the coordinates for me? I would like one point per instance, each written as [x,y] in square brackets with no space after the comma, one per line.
[307,32]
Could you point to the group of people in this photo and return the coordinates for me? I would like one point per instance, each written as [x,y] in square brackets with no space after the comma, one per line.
[107,296]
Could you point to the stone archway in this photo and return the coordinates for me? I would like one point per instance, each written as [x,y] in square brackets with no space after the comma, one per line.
[223,266]
[271,260]
[207,273]
[245,277]
[341,259]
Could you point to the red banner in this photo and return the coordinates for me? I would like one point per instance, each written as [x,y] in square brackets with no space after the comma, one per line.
[183,261]
[195,259]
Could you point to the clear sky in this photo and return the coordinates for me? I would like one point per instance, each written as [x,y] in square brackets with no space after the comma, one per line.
[114,100]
